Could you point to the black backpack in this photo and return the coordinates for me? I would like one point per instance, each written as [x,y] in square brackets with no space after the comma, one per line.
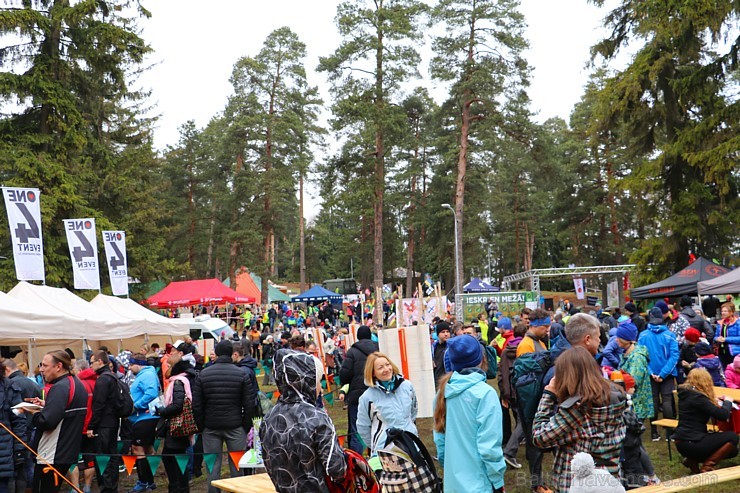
[123,404]
[407,465]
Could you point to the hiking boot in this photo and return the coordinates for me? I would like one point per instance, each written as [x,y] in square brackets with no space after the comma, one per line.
[512,462]
[542,489]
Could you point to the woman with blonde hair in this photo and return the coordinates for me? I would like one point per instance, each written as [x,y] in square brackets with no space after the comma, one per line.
[388,402]
[467,421]
[697,404]
[580,411]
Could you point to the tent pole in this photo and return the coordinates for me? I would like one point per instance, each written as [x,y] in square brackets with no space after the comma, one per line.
[31,363]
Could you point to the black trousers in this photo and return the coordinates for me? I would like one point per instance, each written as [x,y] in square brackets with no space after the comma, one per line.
[701,450]
[176,480]
[107,443]
[533,454]
[47,482]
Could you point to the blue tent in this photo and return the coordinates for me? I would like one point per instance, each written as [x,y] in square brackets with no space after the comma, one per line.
[317,293]
[477,286]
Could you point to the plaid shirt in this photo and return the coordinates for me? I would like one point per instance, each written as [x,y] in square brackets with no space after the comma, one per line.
[571,429]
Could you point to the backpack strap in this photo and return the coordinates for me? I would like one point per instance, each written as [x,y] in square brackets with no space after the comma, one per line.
[416,449]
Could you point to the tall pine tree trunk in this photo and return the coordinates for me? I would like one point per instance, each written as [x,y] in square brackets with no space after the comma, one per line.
[235,248]
[302,233]
[379,187]
[211,237]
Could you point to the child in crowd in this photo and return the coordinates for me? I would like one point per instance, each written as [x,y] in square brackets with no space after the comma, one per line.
[687,356]
[732,374]
[705,358]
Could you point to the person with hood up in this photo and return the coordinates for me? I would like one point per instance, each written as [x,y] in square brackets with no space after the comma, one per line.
[663,350]
[580,411]
[467,418]
[732,374]
[697,404]
[299,445]
[353,373]
[179,389]
[705,358]
[388,402]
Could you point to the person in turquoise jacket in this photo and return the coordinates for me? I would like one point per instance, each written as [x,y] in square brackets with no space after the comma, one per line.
[144,391]
[663,349]
[467,422]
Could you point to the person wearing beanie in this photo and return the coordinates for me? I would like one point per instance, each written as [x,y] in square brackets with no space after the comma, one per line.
[664,352]
[612,354]
[353,373]
[705,358]
[439,347]
[687,354]
[732,374]
[224,404]
[504,334]
[467,421]
[144,392]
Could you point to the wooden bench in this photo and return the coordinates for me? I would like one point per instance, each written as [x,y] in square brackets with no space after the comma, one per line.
[694,481]
[672,424]
[257,483]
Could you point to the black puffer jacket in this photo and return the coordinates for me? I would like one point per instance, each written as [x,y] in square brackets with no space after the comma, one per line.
[29,389]
[10,395]
[299,444]
[353,368]
[178,401]
[59,425]
[223,398]
[106,388]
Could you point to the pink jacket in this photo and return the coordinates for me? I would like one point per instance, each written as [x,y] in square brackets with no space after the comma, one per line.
[732,378]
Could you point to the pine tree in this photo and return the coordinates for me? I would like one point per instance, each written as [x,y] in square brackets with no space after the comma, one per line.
[376,56]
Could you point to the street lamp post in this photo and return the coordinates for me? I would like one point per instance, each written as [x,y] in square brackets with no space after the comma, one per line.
[458,279]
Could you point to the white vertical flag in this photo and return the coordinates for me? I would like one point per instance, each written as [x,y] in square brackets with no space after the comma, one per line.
[24,216]
[115,252]
[578,283]
[83,248]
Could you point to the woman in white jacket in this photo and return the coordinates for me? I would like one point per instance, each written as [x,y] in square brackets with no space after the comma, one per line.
[388,402]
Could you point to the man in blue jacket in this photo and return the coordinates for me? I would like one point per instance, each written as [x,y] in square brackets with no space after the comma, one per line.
[663,349]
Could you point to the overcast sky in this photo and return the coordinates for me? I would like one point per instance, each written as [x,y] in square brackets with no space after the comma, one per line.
[196,44]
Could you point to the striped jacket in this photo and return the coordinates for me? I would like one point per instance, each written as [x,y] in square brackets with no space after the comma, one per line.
[571,429]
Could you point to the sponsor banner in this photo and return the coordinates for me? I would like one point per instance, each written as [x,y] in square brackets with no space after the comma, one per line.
[578,284]
[612,293]
[509,303]
[24,217]
[115,252]
[83,249]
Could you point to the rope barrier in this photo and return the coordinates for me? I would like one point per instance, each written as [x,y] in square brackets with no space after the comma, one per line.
[49,466]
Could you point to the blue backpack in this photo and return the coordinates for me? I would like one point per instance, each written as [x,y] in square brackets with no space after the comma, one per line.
[527,381]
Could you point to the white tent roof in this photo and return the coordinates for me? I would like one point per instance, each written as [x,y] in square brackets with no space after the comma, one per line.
[728,283]
[98,323]
[21,321]
[155,324]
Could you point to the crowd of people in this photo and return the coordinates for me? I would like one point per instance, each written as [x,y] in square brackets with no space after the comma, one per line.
[568,383]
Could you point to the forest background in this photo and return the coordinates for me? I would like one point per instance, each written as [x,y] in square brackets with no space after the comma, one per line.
[645,170]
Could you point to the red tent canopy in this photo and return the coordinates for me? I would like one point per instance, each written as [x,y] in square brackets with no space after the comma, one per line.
[204,291]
